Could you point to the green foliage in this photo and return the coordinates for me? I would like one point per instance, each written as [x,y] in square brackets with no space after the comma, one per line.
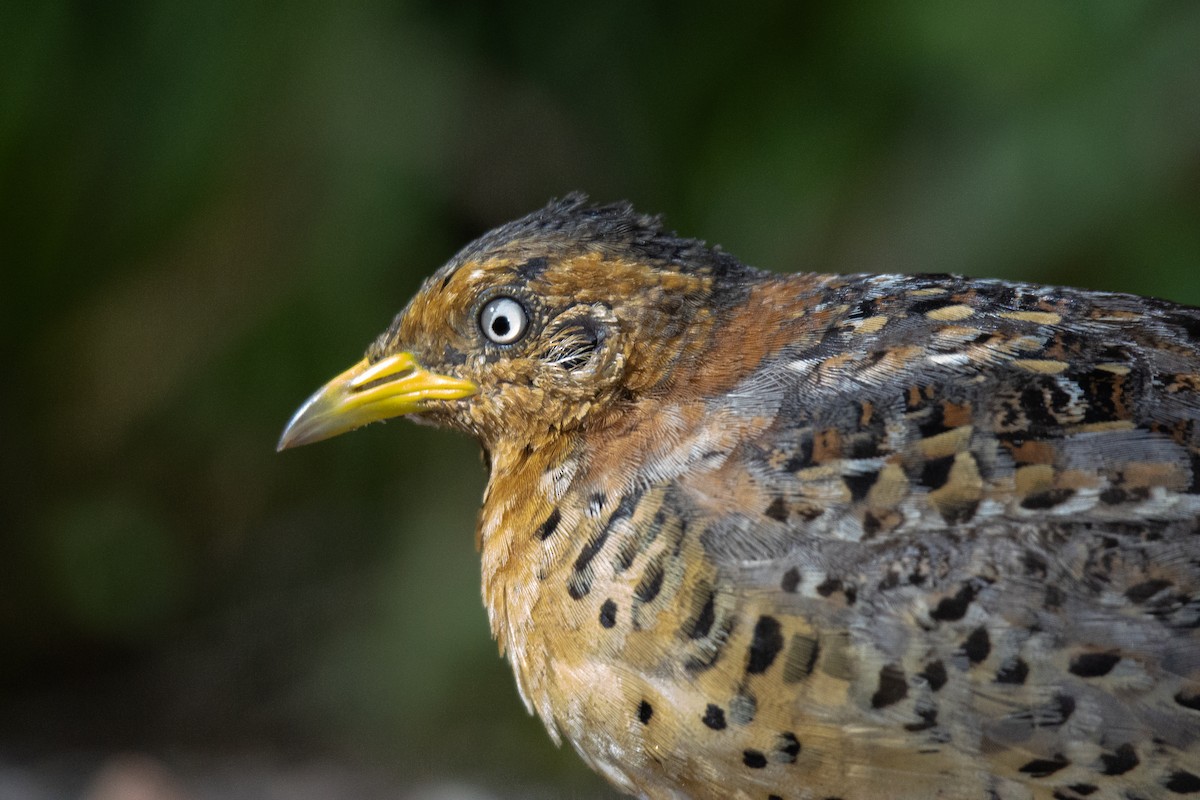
[117,572]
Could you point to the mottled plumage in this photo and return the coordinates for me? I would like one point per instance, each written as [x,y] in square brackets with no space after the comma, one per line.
[749,535]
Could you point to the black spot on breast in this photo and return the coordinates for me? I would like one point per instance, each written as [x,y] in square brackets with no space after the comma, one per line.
[935,472]
[893,687]
[801,658]
[765,645]
[1014,671]
[532,268]
[860,484]
[777,510]
[934,674]
[754,759]
[1183,782]
[1191,701]
[1123,759]
[978,645]
[700,625]
[1094,665]
[714,717]
[579,583]
[644,712]
[1145,590]
[608,614]
[788,747]
[1042,767]
[1083,788]
[547,528]
[952,608]
[651,583]
[790,580]
[1047,499]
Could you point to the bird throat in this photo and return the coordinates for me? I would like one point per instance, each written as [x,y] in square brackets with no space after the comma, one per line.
[520,512]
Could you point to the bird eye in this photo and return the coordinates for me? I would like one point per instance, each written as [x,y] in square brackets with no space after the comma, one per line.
[503,320]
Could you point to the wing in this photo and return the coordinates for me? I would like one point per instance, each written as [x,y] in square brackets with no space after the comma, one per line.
[970,534]
[941,540]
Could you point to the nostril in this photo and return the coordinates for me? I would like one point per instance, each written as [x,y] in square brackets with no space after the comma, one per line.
[384,371]
[386,378]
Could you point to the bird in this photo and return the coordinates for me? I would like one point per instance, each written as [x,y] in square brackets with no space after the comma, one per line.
[780,536]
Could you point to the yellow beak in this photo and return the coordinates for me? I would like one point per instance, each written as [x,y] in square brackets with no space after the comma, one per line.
[366,393]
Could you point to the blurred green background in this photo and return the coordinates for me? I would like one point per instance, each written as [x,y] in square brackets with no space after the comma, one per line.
[212,207]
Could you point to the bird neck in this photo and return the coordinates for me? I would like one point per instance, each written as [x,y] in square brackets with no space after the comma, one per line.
[727,337]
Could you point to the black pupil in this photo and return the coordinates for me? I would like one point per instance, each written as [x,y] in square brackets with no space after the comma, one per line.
[500,326]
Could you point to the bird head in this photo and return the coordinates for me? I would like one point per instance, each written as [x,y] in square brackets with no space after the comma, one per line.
[540,327]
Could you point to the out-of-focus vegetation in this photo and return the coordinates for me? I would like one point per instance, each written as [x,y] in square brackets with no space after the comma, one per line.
[211,207]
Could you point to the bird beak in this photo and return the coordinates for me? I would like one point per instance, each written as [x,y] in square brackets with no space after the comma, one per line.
[369,392]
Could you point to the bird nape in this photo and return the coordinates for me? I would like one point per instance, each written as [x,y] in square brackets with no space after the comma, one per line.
[749,535]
